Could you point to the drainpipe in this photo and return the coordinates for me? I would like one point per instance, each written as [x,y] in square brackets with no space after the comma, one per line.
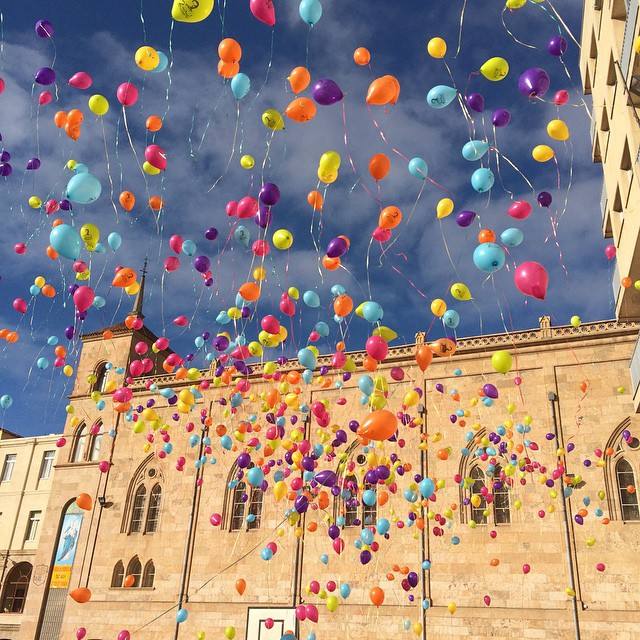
[424,551]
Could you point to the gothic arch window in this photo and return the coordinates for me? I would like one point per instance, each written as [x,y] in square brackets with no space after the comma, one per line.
[79,443]
[478,502]
[620,473]
[144,499]
[95,442]
[255,508]
[627,491]
[153,512]
[369,512]
[149,574]
[16,587]
[350,501]
[101,375]
[134,569]
[137,510]
[117,577]
[501,502]
[238,500]
[243,505]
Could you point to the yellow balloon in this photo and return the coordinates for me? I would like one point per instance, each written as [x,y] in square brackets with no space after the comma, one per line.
[576,321]
[385,333]
[268,340]
[272,120]
[417,628]
[515,4]
[35,202]
[411,398]
[191,11]
[438,307]
[71,164]
[328,177]
[558,130]
[67,370]
[330,161]
[234,313]
[186,396]
[269,367]
[283,334]
[332,603]
[90,235]
[636,45]
[247,162]
[451,607]
[133,288]
[437,48]
[444,208]
[85,275]
[495,69]
[40,281]
[282,239]
[255,349]
[149,169]
[230,633]
[259,273]
[542,153]
[279,490]
[98,104]
[293,293]
[460,291]
[147,58]
[200,635]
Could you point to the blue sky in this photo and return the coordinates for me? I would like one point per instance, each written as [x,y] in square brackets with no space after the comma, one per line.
[198,134]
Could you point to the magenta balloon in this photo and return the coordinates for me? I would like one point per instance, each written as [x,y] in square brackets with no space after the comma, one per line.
[83,298]
[127,94]
[81,80]
[532,279]
[264,11]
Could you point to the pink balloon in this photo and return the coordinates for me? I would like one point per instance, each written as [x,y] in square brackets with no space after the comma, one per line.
[141,348]
[312,612]
[561,97]
[532,279]
[487,600]
[181,321]
[381,235]
[161,343]
[301,612]
[241,353]
[124,635]
[175,242]
[20,305]
[45,98]
[81,632]
[520,210]
[147,364]
[173,358]
[136,368]
[377,348]
[610,251]
[271,325]
[269,623]
[338,545]
[83,297]
[156,156]
[338,359]
[264,11]
[172,263]
[314,336]
[51,206]
[232,208]
[127,94]
[103,465]
[2,85]
[247,207]
[314,587]
[260,248]
[81,80]
[287,305]
[123,394]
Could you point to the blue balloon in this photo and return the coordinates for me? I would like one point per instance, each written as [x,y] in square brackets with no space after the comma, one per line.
[307,376]
[42,363]
[372,311]
[66,241]
[418,168]
[482,180]
[512,237]
[34,290]
[310,11]
[255,476]
[322,328]
[266,554]
[189,247]
[223,318]
[475,149]
[489,257]
[451,318]
[441,96]
[311,299]
[366,384]
[226,442]
[383,526]
[427,488]
[99,248]
[345,590]
[52,341]
[181,616]
[366,535]
[240,85]
[83,188]
[241,235]
[307,358]
[199,342]
[115,240]
[369,497]
[6,401]
[324,558]
[338,290]
[163,64]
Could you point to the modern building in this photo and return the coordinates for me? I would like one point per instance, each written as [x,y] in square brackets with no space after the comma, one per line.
[26,478]
[164,535]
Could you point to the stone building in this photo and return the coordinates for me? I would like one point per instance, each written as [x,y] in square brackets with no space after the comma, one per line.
[151,524]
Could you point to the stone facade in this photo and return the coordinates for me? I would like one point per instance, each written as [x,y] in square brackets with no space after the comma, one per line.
[555,360]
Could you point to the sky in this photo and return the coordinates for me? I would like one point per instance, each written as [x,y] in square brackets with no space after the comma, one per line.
[204,138]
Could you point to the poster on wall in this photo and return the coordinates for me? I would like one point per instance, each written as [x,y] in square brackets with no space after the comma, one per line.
[66,551]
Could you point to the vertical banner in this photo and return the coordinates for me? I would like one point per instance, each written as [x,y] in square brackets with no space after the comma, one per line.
[66,551]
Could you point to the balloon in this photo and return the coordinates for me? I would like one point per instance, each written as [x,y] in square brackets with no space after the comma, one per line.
[495,69]
[532,279]
[465,218]
[377,348]
[437,48]
[229,50]
[390,217]
[460,291]
[80,80]
[379,166]
[337,247]
[80,595]
[311,299]
[444,208]
[438,307]
[427,488]
[228,69]
[418,168]
[475,102]
[362,56]
[534,83]
[240,85]
[163,62]
[501,118]
[124,277]
[114,240]
[378,425]
[610,251]
[45,76]
[520,209]
[156,156]
[475,150]
[83,188]
[202,264]
[383,90]
[66,241]
[542,153]
[326,92]
[250,291]
[272,120]
[301,110]
[6,401]
[557,46]
[98,104]
[482,179]
[376,595]
[558,130]
[84,502]
[44,29]
[489,257]
[310,11]
[512,237]
[501,361]
[191,11]
[241,234]
[544,199]
[90,235]
[181,615]
[147,58]
[247,161]
[264,11]
[127,94]
[299,79]
[127,200]
[451,318]
[441,96]
[282,239]
[561,97]
[20,305]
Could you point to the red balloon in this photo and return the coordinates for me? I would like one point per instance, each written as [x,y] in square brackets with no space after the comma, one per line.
[561,97]
[127,94]
[520,210]
[83,298]
[532,279]
[20,305]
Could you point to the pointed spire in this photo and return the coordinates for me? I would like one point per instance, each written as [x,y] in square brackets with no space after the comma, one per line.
[137,303]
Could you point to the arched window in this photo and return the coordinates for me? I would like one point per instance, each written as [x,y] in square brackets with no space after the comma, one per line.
[101,378]
[117,576]
[153,513]
[16,586]
[94,449]
[238,500]
[350,498]
[477,510]
[501,505]
[149,574]
[627,490]
[255,508]
[369,512]
[134,568]
[137,511]
[79,443]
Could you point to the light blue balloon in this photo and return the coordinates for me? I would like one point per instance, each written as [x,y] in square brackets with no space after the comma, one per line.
[512,237]
[441,96]
[369,497]
[338,290]
[189,248]
[366,384]
[66,241]
[489,257]
[307,376]
[418,168]
[427,488]
[345,590]
[163,64]
[451,318]
[99,302]
[223,318]
[199,342]
[100,405]
[240,85]
[99,248]
[81,168]
[310,11]
[475,150]
[311,299]
[426,603]
[307,358]
[383,526]
[426,565]
[167,447]
[242,235]
[322,328]
[34,290]
[6,401]
[324,558]
[181,616]
[366,535]
[52,341]
[115,240]
[372,311]
[255,476]
[42,363]
[266,554]
[83,188]
[226,442]
[482,180]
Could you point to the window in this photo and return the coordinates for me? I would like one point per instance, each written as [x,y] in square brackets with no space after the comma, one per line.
[7,467]
[153,513]
[478,501]
[501,506]
[16,586]
[32,525]
[255,508]
[117,577]
[625,161]
[94,452]
[350,492]
[137,513]
[47,464]
[627,491]
[134,569]
[101,378]
[80,443]
[611,72]
[369,513]
[239,497]
[149,574]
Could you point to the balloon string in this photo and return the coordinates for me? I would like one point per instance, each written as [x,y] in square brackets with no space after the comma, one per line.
[266,154]
[497,152]
[562,22]
[570,183]
[169,80]
[233,151]
[135,153]
[106,155]
[411,282]
[464,6]
[269,65]
[346,138]
[144,27]
[513,37]
[515,168]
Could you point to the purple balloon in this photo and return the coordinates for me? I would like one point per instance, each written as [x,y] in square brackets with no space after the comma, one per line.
[501,118]
[201,264]
[269,194]
[69,332]
[534,82]
[65,205]
[263,217]
[337,247]
[326,478]
[211,233]
[326,92]
[5,169]
[301,503]
[45,76]
[544,199]
[244,460]
[44,29]
[413,578]
[5,156]
[465,218]
[33,164]
[557,46]
[365,557]
[334,530]
[490,391]
[475,102]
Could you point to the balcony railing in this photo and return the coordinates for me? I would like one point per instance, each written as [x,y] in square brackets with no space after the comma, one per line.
[603,200]
[635,366]
[629,36]
[615,283]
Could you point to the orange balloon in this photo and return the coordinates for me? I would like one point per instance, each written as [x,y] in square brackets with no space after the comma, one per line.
[156,203]
[250,291]
[299,79]
[48,291]
[127,200]
[75,116]
[424,356]
[154,123]
[443,347]
[241,585]
[390,217]
[315,199]
[343,305]
[486,235]
[228,69]
[124,277]
[72,130]
[80,595]
[331,264]
[383,498]
[379,425]
[129,581]
[60,351]
[379,166]
[323,499]
[312,527]
[3,333]
[301,110]
[229,50]
[377,596]
[383,90]
[369,363]
[12,336]
[60,119]
[84,502]
[52,253]
[57,221]
[626,282]
[362,56]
